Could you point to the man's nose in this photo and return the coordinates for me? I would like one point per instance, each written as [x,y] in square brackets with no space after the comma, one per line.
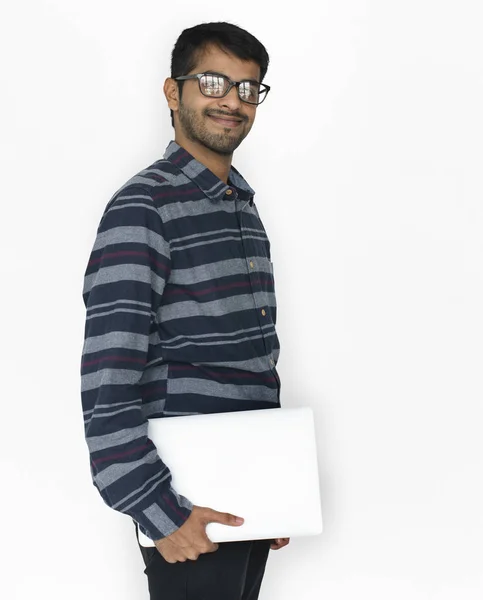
[232,99]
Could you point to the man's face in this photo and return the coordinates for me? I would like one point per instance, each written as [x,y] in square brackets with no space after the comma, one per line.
[194,109]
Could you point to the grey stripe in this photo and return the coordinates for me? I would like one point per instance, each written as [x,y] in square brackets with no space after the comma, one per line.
[91,307]
[109,414]
[157,373]
[222,342]
[193,208]
[182,501]
[160,520]
[152,408]
[205,243]
[240,181]
[154,486]
[126,272]
[215,241]
[260,234]
[86,412]
[215,308]
[123,436]
[203,234]
[172,179]
[116,339]
[216,270]
[117,310]
[138,179]
[252,365]
[90,381]
[155,478]
[132,204]
[212,335]
[130,196]
[194,168]
[209,387]
[131,233]
[117,470]
[255,230]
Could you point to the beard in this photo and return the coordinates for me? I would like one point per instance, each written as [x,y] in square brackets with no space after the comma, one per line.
[195,128]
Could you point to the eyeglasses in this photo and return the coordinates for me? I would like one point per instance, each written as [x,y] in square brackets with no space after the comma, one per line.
[216,85]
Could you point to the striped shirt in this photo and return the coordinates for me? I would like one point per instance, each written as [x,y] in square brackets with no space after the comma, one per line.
[180,320]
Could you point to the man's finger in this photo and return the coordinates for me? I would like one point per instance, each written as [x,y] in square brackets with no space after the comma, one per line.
[279,543]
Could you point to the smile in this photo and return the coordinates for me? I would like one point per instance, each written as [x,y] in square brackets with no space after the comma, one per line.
[225,122]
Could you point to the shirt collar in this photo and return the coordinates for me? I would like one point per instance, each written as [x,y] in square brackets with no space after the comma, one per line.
[206,180]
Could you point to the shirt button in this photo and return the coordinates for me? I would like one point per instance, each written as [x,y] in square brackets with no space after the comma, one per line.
[251,264]
[229,191]
[263,312]
[271,361]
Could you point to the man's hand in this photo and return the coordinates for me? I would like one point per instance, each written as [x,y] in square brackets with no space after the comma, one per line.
[279,543]
[190,540]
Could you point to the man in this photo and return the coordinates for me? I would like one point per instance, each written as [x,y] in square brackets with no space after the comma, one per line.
[181,315]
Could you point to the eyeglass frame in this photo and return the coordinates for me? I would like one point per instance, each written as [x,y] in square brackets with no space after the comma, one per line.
[231,83]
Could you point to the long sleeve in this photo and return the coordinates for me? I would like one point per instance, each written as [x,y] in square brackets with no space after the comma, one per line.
[123,287]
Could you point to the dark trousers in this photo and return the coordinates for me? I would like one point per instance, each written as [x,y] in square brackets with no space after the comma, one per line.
[233,572]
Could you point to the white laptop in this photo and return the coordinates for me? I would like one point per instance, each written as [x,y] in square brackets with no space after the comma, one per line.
[257,464]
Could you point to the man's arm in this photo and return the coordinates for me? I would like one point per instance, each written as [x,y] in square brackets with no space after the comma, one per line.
[123,286]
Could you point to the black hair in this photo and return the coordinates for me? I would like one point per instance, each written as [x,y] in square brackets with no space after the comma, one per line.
[192,42]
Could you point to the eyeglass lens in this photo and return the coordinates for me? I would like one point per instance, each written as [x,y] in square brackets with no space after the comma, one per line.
[216,85]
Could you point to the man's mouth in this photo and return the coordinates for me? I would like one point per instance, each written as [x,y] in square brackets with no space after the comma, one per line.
[226,122]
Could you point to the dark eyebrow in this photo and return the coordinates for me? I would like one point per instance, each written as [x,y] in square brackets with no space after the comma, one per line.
[223,74]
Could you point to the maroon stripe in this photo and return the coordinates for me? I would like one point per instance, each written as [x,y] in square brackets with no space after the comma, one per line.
[157,177]
[182,154]
[120,454]
[245,374]
[175,508]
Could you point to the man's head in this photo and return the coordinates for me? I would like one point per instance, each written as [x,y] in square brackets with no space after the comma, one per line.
[224,49]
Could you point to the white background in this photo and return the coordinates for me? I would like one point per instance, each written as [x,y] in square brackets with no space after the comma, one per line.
[366,158]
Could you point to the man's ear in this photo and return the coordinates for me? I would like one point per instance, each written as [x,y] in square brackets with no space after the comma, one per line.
[171,91]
